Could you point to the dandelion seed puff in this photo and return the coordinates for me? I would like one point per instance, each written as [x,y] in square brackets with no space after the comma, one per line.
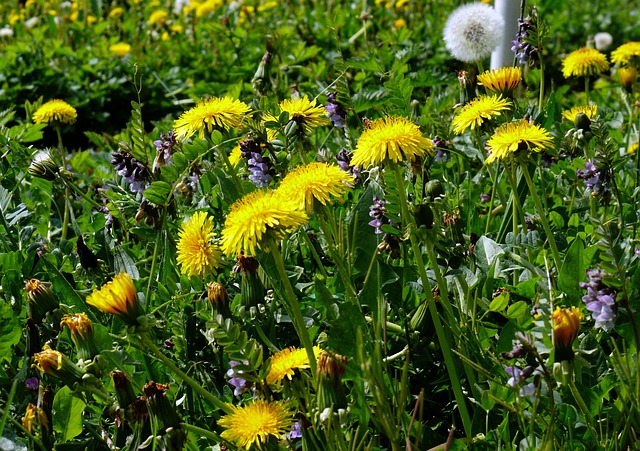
[602,40]
[473,31]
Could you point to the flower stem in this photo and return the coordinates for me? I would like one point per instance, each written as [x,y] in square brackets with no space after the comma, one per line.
[445,346]
[231,170]
[146,342]
[200,432]
[567,369]
[294,306]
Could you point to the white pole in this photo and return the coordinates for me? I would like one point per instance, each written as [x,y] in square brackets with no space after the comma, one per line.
[510,11]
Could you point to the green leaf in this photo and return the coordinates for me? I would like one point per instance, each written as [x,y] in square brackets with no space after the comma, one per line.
[517,310]
[573,269]
[10,332]
[158,192]
[67,414]
[196,148]
[123,262]
[486,252]
[499,303]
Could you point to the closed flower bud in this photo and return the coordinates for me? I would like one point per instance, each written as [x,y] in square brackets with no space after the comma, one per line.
[81,331]
[218,297]
[57,364]
[566,325]
[40,299]
[118,297]
[43,166]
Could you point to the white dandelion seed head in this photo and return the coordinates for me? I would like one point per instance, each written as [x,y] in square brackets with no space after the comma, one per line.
[473,31]
[6,32]
[603,40]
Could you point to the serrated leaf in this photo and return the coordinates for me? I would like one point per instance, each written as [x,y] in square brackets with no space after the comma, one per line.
[67,414]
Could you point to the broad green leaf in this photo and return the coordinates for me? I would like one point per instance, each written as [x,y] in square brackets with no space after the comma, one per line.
[517,310]
[573,269]
[158,192]
[486,252]
[499,303]
[67,414]
[123,262]
[10,332]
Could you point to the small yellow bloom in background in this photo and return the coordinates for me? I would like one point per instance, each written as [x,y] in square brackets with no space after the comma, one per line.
[91,20]
[220,112]
[118,297]
[502,81]
[305,112]
[515,136]
[477,111]
[55,112]
[392,138]
[255,217]
[159,16]
[399,23]
[34,416]
[116,12]
[197,255]
[588,110]
[627,54]
[120,49]
[583,62]
[165,36]
[254,423]
[627,76]
[177,28]
[314,182]
[566,325]
[235,157]
[266,6]
[633,148]
[285,362]
[208,7]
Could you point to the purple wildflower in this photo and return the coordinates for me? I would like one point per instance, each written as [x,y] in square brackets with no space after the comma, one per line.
[484,198]
[596,178]
[260,167]
[344,161]
[240,385]
[376,212]
[135,173]
[524,51]
[442,149]
[335,111]
[164,149]
[600,300]
[32,383]
[296,430]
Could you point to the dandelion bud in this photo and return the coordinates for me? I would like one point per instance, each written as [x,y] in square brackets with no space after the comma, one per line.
[57,364]
[43,166]
[582,122]
[81,331]
[34,418]
[566,325]
[40,299]
[252,291]
[218,297]
[423,215]
[169,433]
[330,390]
[627,77]
[260,80]
[118,297]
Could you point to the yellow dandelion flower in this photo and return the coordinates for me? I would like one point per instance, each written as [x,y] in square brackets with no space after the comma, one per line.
[254,423]
[266,6]
[255,217]
[34,415]
[502,81]
[627,76]
[588,110]
[399,23]
[235,157]
[305,112]
[391,138]
[514,136]
[285,362]
[159,16]
[632,148]
[197,255]
[177,28]
[566,325]
[220,112]
[314,182]
[208,7]
[627,54]
[119,298]
[477,111]
[91,19]
[57,364]
[55,112]
[116,12]
[583,62]
[120,49]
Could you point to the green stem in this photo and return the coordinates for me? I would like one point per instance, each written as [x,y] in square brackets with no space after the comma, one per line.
[70,184]
[67,206]
[314,254]
[14,245]
[200,432]
[567,368]
[154,259]
[541,95]
[146,342]
[294,306]
[232,170]
[445,346]
[18,427]
[543,215]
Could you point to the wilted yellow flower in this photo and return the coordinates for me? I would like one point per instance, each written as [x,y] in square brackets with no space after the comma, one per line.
[119,298]
[120,49]
[197,254]
[159,16]
[477,111]
[314,182]
[566,325]
[256,216]
[57,364]
[55,112]
[81,331]
[515,136]
[220,112]
[627,54]
[254,423]
[285,362]
[305,112]
[583,62]
[34,416]
[588,110]
[392,138]
[502,81]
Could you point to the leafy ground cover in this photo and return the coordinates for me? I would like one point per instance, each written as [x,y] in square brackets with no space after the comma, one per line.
[318,225]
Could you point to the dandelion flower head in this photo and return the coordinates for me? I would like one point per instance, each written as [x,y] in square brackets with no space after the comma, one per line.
[627,76]
[501,81]
[315,181]
[118,297]
[256,216]
[235,157]
[473,31]
[120,49]
[306,112]
[197,255]
[254,423]
[285,362]
[583,62]
[588,110]
[222,112]
[627,54]
[393,138]
[477,111]
[514,136]
[55,112]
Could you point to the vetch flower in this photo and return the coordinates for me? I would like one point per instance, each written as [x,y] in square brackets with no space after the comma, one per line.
[473,31]
[164,150]
[588,110]
[336,111]
[216,112]
[479,110]
[525,51]
[239,384]
[600,300]
[343,158]
[501,81]
[305,112]
[254,423]
[597,178]
[119,298]
[566,325]
[627,54]
[135,173]
[55,112]
[285,362]
[515,136]
[584,62]
[377,213]
[120,49]
[261,168]
[197,255]
[256,216]
[315,182]
[392,138]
